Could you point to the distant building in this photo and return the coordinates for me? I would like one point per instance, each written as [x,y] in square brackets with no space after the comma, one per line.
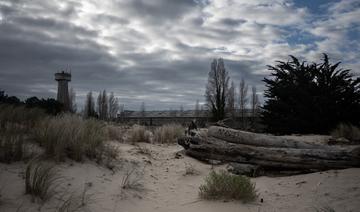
[63,91]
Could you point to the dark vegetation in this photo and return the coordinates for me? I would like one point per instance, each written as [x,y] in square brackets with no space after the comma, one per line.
[50,106]
[310,98]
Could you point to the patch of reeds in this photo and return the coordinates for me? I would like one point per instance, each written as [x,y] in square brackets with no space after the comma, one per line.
[168,133]
[11,147]
[115,133]
[138,134]
[71,136]
[19,118]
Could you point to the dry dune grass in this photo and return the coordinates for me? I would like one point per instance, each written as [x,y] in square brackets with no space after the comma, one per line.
[138,133]
[12,148]
[168,133]
[71,136]
[76,201]
[41,178]
[115,132]
[222,185]
[16,122]
[350,132]
[19,118]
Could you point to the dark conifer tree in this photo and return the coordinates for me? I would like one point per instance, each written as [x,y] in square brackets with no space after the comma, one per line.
[310,98]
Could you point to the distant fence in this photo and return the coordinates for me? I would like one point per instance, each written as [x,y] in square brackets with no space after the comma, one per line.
[185,121]
[158,121]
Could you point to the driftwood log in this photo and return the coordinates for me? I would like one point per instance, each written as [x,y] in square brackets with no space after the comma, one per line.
[269,152]
[257,139]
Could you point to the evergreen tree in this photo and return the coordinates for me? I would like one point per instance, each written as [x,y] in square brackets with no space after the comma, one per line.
[310,98]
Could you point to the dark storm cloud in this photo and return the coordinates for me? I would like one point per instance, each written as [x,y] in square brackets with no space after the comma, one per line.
[155,51]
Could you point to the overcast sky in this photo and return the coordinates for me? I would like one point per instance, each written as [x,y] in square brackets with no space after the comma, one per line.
[159,51]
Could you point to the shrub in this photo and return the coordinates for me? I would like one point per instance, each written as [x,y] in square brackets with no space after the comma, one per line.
[347,131]
[223,185]
[11,148]
[139,134]
[41,178]
[168,133]
[71,136]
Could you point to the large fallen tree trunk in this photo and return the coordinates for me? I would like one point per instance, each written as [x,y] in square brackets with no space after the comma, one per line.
[271,157]
[257,139]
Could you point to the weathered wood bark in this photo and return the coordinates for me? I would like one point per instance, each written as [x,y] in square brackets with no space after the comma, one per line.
[273,157]
[257,139]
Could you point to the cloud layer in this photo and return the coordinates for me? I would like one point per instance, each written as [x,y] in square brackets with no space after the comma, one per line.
[160,51]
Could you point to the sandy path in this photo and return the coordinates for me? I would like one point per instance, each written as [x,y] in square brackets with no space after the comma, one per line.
[166,188]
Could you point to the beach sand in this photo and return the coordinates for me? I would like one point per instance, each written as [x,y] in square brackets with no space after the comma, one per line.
[162,185]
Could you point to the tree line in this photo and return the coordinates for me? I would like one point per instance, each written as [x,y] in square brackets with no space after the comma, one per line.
[107,106]
[49,105]
[300,97]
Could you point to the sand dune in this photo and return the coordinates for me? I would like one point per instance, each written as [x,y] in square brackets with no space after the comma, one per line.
[163,186]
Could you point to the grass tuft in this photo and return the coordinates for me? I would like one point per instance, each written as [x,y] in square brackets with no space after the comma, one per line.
[115,132]
[348,131]
[132,179]
[16,122]
[168,133]
[19,119]
[76,202]
[11,148]
[41,178]
[71,136]
[223,185]
[139,134]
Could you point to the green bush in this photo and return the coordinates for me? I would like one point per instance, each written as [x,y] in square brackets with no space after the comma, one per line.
[223,185]
[71,136]
[347,131]
[168,133]
[41,178]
